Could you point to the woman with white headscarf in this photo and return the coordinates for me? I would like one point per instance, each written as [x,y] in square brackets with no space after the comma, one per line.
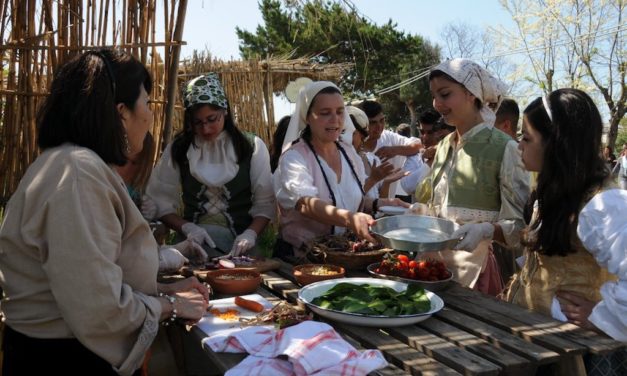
[477,178]
[319,183]
[379,174]
[219,174]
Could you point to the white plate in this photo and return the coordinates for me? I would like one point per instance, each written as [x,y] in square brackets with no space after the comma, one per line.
[392,210]
[211,324]
[310,292]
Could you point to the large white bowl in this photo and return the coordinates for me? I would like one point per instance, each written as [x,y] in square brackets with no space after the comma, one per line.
[310,292]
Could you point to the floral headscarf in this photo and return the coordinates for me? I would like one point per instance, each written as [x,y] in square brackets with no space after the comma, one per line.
[204,89]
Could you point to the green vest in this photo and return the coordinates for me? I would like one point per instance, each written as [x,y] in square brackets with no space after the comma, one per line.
[473,182]
[237,193]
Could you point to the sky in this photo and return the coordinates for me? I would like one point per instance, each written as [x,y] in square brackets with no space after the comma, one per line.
[210,24]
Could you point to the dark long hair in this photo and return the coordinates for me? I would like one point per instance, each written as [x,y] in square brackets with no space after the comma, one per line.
[81,108]
[277,141]
[573,169]
[185,138]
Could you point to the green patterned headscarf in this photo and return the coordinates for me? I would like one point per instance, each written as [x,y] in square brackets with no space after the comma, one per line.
[204,89]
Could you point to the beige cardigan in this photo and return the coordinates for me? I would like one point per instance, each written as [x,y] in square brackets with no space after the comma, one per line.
[78,260]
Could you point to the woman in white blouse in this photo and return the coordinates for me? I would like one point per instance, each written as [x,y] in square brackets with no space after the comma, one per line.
[219,174]
[319,181]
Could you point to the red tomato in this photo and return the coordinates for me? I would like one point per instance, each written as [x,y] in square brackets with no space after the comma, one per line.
[412,264]
[402,258]
[422,274]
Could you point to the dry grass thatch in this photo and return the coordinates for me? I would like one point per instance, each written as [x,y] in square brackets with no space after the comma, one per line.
[39,35]
[249,85]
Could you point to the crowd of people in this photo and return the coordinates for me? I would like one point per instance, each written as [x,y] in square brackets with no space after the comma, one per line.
[540,221]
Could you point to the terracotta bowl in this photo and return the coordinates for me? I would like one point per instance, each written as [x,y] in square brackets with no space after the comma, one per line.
[303,273]
[234,281]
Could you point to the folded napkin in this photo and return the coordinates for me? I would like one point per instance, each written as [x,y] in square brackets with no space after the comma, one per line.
[312,348]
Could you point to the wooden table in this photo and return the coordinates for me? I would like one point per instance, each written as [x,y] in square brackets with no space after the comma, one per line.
[474,334]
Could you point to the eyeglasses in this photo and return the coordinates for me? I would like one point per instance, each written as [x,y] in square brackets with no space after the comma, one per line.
[199,123]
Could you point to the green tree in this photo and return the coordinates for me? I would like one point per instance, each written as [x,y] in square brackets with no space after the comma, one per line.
[621,139]
[329,32]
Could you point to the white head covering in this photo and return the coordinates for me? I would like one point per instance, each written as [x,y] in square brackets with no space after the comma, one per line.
[298,121]
[483,85]
[359,115]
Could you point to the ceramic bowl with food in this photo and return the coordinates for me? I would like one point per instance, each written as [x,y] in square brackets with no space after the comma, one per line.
[310,273]
[234,281]
[430,285]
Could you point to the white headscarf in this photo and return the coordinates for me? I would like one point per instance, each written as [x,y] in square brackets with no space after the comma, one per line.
[298,121]
[481,83]
[360,116]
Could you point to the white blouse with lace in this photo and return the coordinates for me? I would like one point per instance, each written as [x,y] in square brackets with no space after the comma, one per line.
[213,163]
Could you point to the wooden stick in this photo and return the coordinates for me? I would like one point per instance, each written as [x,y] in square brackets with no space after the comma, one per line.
[172,71]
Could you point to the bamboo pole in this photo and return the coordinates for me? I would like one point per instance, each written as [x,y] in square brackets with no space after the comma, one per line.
[172,72]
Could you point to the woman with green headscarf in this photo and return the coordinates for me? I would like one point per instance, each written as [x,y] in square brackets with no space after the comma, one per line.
[219,174]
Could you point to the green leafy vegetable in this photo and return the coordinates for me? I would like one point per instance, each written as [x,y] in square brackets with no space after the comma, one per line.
[374,300]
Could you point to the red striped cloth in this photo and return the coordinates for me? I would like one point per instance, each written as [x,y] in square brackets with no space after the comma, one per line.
[311,348]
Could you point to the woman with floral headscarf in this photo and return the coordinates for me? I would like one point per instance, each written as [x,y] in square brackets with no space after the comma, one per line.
[220,174]
[319,183]
[477,178]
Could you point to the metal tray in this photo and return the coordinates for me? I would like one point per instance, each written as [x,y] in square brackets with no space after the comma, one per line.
[415,233]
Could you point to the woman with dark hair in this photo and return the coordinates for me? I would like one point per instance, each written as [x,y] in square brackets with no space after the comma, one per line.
[561,141]
[78,262]
[476,178]
[221,174]
[319,183]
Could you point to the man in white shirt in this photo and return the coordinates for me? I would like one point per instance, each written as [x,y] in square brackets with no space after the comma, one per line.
[386,144]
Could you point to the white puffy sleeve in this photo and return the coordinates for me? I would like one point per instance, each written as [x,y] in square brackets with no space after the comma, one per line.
[261,182]
[292,180]
[515,190]
[418,170]
[164,185]
[602,229]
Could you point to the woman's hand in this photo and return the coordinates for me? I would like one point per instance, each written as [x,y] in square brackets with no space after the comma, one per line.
[360,224]
[393,202]
[395,175]
[577,309]
[197,234]
[381,171]
[170,259]
[418,208]
[185,285]
[190,305]
[243,242]
[191,250]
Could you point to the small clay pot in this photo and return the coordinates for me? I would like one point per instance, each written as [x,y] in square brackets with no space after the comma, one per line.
[227,281]
[303,273]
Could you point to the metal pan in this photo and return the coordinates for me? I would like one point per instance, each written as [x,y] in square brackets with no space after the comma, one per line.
[415,233]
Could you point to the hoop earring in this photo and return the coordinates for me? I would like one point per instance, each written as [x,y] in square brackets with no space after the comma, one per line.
[127,145]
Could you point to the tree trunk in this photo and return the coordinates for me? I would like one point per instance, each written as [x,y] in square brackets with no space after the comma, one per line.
[413,117]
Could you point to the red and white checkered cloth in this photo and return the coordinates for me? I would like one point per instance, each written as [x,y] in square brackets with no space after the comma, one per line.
[312,348]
